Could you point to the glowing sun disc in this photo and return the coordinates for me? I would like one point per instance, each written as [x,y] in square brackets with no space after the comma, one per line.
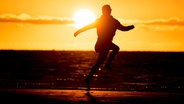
[83,17]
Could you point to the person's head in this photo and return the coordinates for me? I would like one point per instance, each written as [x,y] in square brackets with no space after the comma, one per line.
[106,10]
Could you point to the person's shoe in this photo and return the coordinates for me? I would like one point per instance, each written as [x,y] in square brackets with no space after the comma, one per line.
[87,83]
[108,67]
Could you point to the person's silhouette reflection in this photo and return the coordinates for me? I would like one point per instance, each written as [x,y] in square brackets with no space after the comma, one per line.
[92,99]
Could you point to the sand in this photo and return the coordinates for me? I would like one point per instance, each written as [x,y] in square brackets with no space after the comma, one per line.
[64,96]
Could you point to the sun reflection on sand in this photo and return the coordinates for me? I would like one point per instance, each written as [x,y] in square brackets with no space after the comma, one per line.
[81,96]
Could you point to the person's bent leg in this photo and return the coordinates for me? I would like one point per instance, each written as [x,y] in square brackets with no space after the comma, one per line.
[115,50]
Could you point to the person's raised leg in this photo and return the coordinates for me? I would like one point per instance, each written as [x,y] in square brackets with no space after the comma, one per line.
[115,50]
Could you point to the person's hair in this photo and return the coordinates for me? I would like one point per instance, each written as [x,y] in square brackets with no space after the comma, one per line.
[106,9]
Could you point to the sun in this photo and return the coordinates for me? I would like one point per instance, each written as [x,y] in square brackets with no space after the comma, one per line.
[83,17]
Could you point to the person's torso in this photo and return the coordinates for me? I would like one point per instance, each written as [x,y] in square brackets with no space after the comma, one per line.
[106,28]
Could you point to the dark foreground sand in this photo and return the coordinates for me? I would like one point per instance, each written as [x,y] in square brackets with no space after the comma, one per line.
[60,96]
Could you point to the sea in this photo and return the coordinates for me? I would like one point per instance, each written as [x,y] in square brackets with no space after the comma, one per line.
[57,69]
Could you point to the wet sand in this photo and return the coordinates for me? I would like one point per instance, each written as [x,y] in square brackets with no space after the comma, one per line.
[63,96]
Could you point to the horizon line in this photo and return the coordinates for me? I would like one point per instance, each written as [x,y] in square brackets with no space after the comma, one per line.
[83,50]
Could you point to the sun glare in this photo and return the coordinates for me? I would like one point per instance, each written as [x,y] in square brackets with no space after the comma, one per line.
[83,17]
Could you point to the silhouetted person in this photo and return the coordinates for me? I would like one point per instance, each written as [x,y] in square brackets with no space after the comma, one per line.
[106,27]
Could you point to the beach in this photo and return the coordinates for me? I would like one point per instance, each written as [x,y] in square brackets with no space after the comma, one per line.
[60,96]
[57,77]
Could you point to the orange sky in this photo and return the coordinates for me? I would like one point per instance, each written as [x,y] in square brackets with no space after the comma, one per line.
[47,24]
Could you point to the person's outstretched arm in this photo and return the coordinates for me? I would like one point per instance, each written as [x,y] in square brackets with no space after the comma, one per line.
[90,26]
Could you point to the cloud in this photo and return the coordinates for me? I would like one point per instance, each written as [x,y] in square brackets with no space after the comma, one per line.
[25,18]
[170,24]
[158,24]
[170,21]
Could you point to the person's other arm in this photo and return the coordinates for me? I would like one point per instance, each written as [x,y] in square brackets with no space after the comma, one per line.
[126,28]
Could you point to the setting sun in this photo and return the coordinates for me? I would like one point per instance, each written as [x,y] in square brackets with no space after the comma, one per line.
[83,17]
